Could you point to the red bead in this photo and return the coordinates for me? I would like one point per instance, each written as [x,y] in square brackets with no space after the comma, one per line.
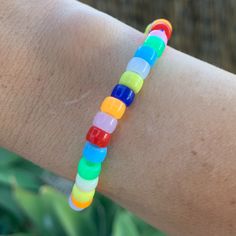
[98,137]
[163,24]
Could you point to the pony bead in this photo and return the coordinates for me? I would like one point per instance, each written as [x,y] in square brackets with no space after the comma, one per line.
[112,109]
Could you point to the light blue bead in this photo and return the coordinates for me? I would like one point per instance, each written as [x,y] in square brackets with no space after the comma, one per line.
[139,66]
[147,53]
[94,153]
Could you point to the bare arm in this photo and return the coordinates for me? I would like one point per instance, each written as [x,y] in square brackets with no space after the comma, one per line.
[172,159]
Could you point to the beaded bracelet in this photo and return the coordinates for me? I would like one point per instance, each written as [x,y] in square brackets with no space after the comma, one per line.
[112,109]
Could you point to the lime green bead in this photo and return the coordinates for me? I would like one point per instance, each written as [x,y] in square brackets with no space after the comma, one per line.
[156,43]
[82,196]
[132,80]
[147,30]
[88,170]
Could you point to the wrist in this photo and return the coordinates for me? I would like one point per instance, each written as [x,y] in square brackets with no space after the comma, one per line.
[58,85]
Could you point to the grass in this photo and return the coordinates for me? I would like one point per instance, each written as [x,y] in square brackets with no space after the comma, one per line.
[29,206]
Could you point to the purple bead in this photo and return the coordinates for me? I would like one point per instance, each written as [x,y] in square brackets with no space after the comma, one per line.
[105,122]
[160,34]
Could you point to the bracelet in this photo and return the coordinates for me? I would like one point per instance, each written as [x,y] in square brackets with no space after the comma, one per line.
[112,109]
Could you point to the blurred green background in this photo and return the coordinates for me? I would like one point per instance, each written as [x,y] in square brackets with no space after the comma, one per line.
[29,205]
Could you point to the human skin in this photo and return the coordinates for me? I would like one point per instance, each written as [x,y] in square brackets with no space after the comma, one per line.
[172,157]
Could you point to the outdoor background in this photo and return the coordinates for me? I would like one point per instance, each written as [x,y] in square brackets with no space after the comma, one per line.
[205,29]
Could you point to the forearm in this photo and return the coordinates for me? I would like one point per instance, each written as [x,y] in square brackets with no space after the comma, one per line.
[171,159]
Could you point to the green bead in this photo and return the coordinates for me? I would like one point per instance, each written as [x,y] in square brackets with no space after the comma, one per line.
[156,43]
[132,81]
[88,170]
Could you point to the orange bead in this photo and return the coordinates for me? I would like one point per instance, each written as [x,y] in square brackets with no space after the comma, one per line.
[163,20]
[113,107]
[80,205]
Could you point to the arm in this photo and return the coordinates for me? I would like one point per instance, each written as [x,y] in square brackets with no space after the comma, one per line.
[172,158]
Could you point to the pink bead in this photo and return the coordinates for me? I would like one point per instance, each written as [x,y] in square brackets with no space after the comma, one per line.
[160,34]
[105,122]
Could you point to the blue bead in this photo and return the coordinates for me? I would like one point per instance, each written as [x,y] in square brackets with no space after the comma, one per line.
[123,93]
[147,53]
[94,153]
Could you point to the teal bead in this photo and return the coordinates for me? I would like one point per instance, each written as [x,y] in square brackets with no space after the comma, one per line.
[156,43]
[89,170]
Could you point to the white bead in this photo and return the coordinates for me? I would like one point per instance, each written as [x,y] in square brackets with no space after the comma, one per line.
[86,185]
[139,66]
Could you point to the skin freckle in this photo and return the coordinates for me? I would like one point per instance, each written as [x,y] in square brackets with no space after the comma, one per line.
[233,202]
[194,152]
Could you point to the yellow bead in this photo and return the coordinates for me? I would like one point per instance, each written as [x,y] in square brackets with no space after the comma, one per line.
[113,107]
[82,196]
[132,80]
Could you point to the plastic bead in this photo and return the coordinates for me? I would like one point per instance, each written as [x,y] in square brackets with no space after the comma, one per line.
[162,20]
[132,80]
[113,107]
[89,170]
[148,28]
[139,66]
[86,185]
[148,54]
[160,34]
[123,93]
[82,196]
[94,153]
[162,24]
[80,205]
[98,137]
[105,122]
[72,206]
[156,43]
